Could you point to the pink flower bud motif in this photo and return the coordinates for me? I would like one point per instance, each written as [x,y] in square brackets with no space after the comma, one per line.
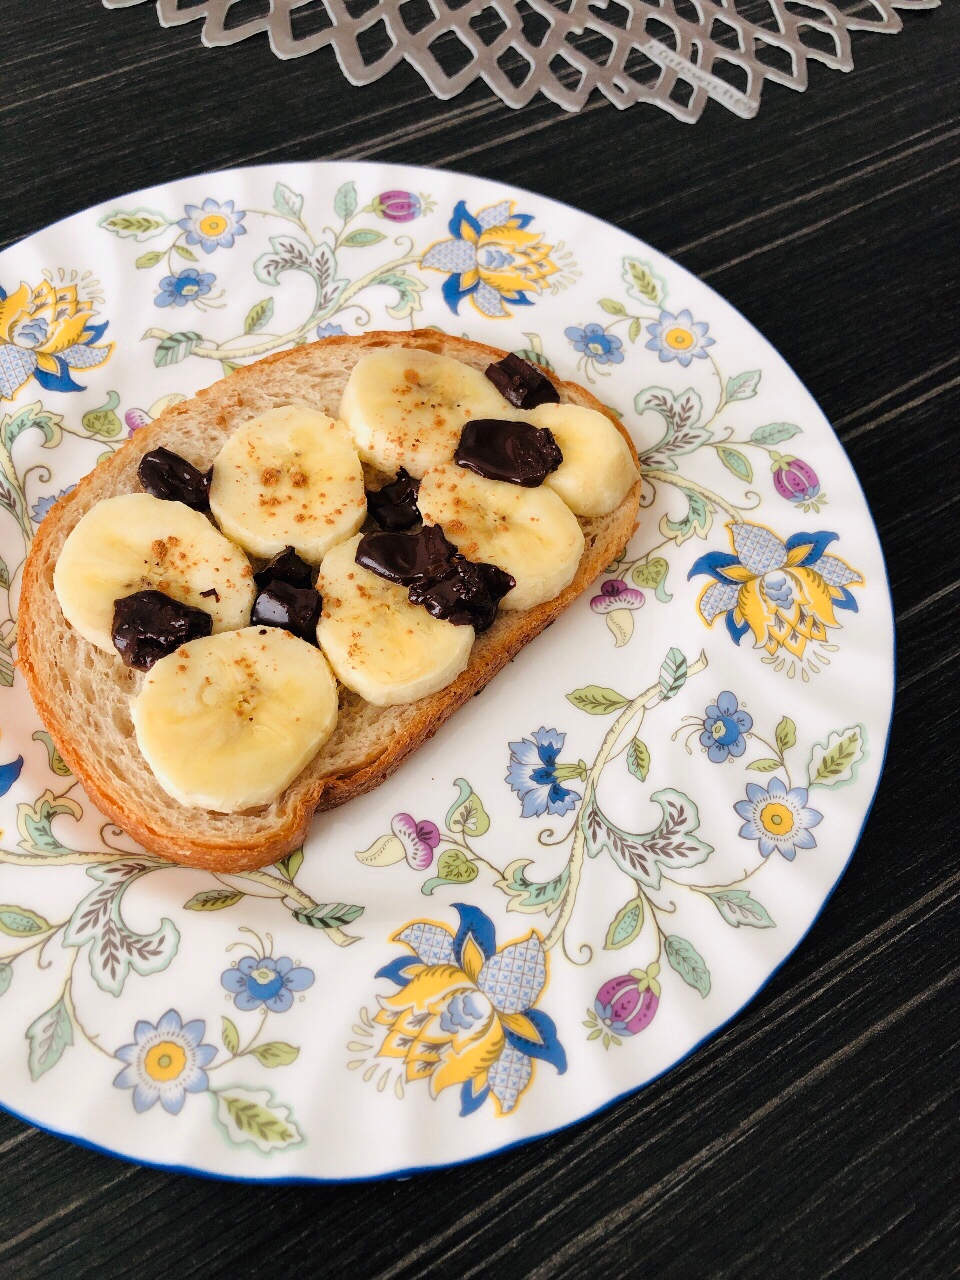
[136,418]
[419,839]
[397,206]
[626,1005]
[794,479]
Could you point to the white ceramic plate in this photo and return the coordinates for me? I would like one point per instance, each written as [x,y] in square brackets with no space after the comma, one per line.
[587,871]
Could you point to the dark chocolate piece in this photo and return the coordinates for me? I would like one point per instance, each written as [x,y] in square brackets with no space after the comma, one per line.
[467,594]
[516,452]
[521,383]
[406,557]
[148,625]
[394,507]
[296,609]
[286,566]
[166,475]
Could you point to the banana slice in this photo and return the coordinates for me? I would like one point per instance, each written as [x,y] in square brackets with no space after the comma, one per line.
[530,533]
[136,542]
[381,646]
[228,721]
[598,470]
[289,478]
[406,408]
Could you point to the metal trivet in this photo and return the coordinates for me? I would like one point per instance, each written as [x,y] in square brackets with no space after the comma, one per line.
[675,53]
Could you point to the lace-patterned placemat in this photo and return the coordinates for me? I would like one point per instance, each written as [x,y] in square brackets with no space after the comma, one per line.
[674,53]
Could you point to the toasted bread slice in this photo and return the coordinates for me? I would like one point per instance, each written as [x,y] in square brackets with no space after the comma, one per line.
[83,693]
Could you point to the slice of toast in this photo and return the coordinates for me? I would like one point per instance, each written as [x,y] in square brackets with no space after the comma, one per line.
[83,693]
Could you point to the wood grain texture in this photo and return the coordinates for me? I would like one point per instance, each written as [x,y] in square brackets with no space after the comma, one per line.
[817,1135]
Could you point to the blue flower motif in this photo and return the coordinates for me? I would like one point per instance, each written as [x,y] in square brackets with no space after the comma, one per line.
[723,728]
[262,980]
[213,225]
[165,1062]
[679,337]
[330,331]
[186,286]
[535,775]
[596,344]
[778,819]
[42,505]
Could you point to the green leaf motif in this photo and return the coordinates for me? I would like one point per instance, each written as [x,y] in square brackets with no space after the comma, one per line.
[48,1036]
[738,908]
[638,759]
[453,867]
[253,1116]
[213,900]
[21,922]
[786,735]
[345,201]
[114,947]
[734,461]
[6,664]
[532,896]
[467,813]
[774,433]
[328,916]
[625,925]
[104,421]
[836,761]
[534,353]
[291,864]
[4,574]
[360,239]
[149,259]
[230,1036]
[688,962]
[137,224]
[652,574]
[613,308]
[229,366]
[681,414]
[642,281]
[6,977]
[766,765]
[34,822]
[187,254]
[671,844]
[636,325]
[32,416]
[408,290]
[258,315]
[673,674]
[287,201]
[290,254]
[275,1054]
[176,347]
[597,700]
[743,386]
[697,521]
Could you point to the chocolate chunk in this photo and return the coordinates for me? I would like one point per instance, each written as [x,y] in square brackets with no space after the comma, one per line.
[166,475]
[296,609]
[394,507]
[148,625]
[284,567]
[467,594]
[406,557]
[517,452]
[521,383]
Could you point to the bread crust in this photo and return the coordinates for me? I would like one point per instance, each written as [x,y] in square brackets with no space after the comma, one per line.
[64,673]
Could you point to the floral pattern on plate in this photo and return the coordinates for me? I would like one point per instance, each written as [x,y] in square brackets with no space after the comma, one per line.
[664,787]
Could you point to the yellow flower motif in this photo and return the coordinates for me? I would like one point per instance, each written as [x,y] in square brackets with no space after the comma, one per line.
[464,1013]
[785,593]
[492,259]
[44,333]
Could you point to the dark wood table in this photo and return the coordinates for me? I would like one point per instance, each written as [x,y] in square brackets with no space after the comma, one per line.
[818,1134]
